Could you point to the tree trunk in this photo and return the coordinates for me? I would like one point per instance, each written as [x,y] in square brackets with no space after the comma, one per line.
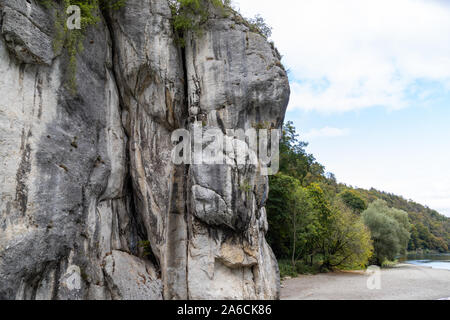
[294,241]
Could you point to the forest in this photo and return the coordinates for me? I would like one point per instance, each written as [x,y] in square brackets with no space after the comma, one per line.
[318,224]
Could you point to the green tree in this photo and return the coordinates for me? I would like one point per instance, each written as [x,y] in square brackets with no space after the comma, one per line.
[302,222]
[279,206]
[259,25]
[389,228]
[353,200]
[347,242]
[295,161]
[316,220]
[293,216]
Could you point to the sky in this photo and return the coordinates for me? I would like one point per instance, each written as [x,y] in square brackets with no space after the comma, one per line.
[370,89]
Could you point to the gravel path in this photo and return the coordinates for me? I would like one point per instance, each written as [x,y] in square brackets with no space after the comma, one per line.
[404,282]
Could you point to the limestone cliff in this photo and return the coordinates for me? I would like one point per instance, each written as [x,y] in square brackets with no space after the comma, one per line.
[91,205]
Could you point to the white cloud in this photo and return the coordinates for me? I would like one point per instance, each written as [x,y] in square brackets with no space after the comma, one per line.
[422,176]
[326,132]
[352,54]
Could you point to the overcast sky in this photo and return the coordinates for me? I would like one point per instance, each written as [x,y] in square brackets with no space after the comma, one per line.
[370,83]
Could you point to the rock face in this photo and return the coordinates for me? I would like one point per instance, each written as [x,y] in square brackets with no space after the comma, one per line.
[91,204]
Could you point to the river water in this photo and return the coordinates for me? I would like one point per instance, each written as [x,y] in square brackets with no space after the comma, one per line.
[436,261]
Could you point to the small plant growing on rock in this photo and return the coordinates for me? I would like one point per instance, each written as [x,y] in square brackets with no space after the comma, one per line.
[259,25]
[262,125]
[147,250]
[189,15]
[245,187]
[72,39]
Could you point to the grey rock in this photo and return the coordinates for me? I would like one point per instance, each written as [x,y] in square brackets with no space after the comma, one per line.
[25,40]
[91,205]
[236,80]
[131,278]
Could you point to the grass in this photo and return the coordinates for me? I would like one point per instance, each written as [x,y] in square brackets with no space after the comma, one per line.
[389,264]
[288,270]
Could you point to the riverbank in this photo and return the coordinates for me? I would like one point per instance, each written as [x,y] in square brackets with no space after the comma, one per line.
[403,282]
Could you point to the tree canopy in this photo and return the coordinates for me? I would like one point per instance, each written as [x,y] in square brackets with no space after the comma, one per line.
[389,228]
[316,221]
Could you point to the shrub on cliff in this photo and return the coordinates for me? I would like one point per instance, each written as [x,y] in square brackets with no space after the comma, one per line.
[189,15]
[259,25]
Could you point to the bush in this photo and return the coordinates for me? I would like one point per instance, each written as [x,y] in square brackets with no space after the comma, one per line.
[189,15]
[259,25]
[304,268]
[389,264]
[288,270]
